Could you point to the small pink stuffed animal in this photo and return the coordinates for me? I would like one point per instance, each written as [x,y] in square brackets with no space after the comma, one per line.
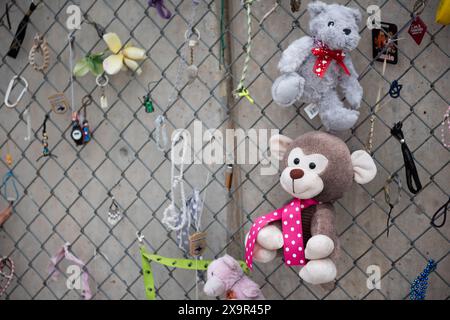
[225,276]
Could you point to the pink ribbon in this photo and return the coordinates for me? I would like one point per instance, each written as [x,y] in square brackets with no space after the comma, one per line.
[291,221]
[65,253]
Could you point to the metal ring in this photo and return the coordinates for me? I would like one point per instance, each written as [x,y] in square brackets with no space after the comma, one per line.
[419,6]
[192,31]
[102,77]
[86,100]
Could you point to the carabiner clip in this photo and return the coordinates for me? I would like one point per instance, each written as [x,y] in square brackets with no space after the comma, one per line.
[11,86]
[10,180]
[140,237]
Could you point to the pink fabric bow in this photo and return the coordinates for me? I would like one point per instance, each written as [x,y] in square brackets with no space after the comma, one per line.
[65,253]
[291,222]
[324,58]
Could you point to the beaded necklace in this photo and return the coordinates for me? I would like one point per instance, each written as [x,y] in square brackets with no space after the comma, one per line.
[420,284]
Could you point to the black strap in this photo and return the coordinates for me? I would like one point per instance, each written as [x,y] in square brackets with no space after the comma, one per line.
[14,48]
[44,125]
[410,166]
[442,211]
[99,28]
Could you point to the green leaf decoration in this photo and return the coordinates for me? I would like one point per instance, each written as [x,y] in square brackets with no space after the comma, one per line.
[95,66]
[92,63]
[81,68]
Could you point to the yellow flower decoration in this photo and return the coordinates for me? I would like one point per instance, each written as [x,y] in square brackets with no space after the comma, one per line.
[121,57]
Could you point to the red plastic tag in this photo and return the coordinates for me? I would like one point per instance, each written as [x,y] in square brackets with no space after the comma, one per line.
[417,30]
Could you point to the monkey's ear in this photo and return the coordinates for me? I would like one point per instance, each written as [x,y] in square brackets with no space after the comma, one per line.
[278,145]
[364,167]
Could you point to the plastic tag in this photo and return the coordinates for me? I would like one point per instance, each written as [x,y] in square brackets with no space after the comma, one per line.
[312,110]
[417,30]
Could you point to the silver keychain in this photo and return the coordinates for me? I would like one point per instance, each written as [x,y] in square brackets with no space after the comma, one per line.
[192,39]
[11,85]
[102,81]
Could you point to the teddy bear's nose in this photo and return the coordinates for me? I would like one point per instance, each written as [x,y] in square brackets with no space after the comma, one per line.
[347,31]
[296,174]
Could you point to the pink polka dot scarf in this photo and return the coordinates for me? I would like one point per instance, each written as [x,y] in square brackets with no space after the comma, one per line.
[291,221]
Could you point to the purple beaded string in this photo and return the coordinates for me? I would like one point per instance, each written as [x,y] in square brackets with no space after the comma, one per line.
[446,118]
[160,8]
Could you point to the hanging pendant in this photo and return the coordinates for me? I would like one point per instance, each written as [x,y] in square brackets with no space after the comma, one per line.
[193,39]
[417,30]
[114,213]
[86,132]
[77,133]
[59,103]
[102,81]
[148,105]
[197,244]
[103,102]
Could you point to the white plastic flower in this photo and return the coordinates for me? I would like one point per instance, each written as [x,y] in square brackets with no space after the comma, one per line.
[121,57]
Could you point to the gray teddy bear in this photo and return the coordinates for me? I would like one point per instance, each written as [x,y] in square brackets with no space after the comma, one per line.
[313,68]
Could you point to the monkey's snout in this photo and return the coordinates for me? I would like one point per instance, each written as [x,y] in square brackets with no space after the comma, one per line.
[296,174]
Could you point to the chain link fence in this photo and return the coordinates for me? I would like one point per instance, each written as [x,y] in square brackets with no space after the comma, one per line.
[66,199]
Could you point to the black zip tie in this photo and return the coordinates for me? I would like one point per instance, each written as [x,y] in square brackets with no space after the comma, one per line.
[410,166]
[442,211]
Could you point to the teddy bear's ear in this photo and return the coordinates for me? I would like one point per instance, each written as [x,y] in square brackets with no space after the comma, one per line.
[357,15]
[231,262]
[364,167]
[315,8]
[278,145]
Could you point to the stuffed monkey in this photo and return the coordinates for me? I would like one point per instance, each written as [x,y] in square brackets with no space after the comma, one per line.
[316,169]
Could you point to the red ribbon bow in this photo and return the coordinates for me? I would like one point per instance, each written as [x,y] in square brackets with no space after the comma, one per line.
[324,58]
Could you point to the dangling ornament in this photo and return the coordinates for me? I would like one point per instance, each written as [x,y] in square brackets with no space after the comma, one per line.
[102,81]
[418,28]
[192,69]
[114,212]
[147,100]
